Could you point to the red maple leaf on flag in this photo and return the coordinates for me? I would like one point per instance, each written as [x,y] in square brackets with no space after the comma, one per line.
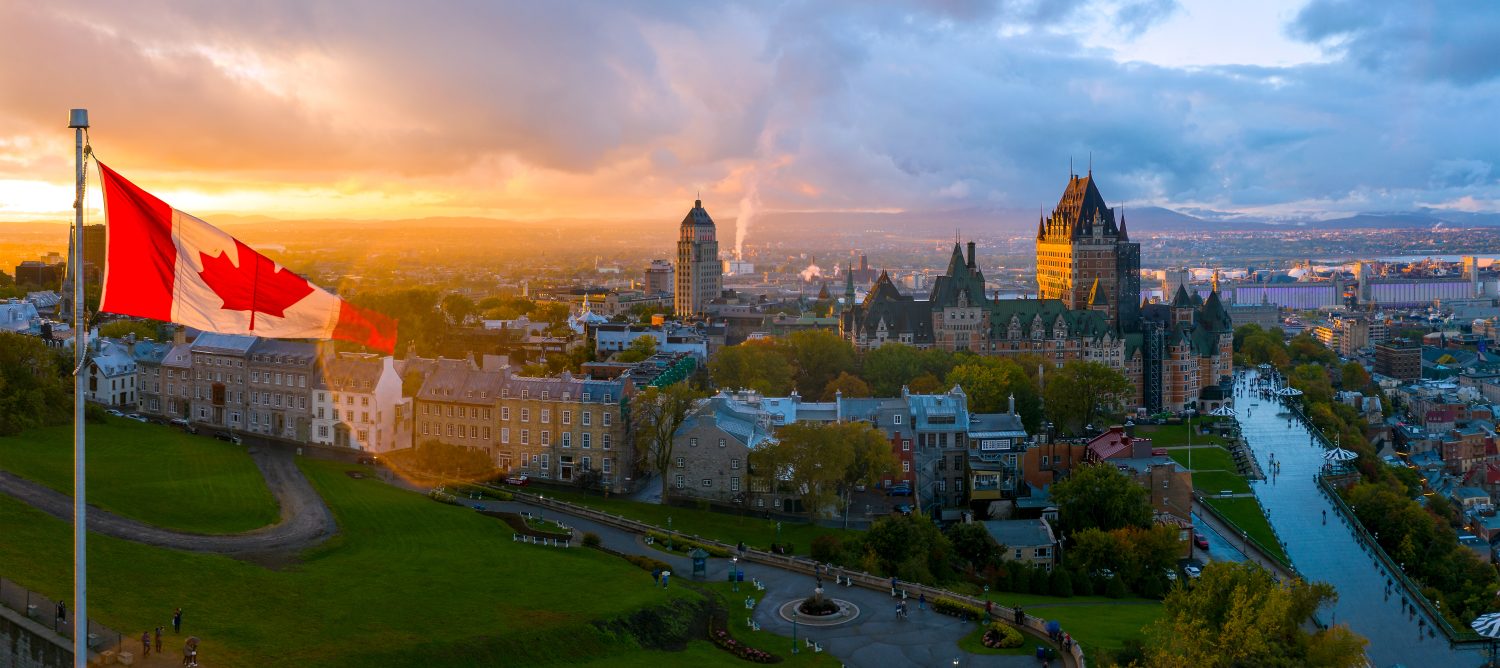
[256,285]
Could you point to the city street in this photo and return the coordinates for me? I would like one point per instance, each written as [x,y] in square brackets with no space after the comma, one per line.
[1330,553]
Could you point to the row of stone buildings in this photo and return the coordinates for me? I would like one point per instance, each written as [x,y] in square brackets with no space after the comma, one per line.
[947,456]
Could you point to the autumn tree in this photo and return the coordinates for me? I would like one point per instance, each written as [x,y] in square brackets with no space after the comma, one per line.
[871,457]
[1099,496]
[809,459]
[655,416]
[990,382]
[35,385]
[1237,614]
[457,309]
[640,348]
[1352,376]
[1081,392]
[752,365]
[846,385]
[889,367]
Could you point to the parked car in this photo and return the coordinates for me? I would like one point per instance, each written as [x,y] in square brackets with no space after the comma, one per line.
[226,436]
[1171,574]
[517,480]
[115,413]
[136,416]
[371,460]
[178,422]
[900,490]
[902,508]
[1200,540]
[1105,573]
[1192,571]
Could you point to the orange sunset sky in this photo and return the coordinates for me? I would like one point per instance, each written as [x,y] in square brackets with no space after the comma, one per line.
[387,109]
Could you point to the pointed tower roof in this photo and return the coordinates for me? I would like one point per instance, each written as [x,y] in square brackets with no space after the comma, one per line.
[884,288]
[956,264]
[1041,227]
[1215,316]
[1080,209]
[1181,299]
[1096,296]
[697,215]
[1123,235]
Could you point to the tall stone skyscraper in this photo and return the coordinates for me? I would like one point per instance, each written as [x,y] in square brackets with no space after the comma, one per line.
[1086,259]
[699,276]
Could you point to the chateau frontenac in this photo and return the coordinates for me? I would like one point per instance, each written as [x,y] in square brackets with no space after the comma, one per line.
[1177,355]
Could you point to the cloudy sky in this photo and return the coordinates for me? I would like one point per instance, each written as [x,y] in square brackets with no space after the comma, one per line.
[392,108]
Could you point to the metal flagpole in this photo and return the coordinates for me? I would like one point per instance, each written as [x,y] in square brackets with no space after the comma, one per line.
[78,119]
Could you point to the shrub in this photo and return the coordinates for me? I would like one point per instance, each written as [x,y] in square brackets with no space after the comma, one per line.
[501,495]
[1061,583]
[590,539]
[647,563]
[1114,588]
[956,608]
[1001,636]
[1082,586]
[443,497]
[827,548]
[94,414]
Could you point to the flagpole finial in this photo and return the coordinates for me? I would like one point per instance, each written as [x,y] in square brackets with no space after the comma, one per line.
[78,118]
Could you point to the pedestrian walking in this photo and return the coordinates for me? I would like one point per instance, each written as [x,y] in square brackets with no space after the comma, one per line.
[1020,616]
[62,616]
[158,640]
[1325,517]
[145,643]
[664,576]
[177,621]
[656,577]
[922,601]
[742,548]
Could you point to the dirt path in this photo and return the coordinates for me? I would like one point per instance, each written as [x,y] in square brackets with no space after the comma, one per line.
[305,519]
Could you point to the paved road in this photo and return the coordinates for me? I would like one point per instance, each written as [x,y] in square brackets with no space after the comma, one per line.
[305,519]
[1330,553]
[875,639]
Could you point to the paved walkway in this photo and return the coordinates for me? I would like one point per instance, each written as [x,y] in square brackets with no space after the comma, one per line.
[305,519]
[876,639]
[1330,553]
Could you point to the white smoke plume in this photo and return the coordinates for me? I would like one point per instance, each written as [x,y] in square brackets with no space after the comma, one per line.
[812,271]
[749,207]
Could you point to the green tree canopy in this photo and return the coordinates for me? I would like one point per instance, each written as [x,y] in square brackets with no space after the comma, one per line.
[990,382]
[1099,496]
[910,547]
[890,366]
[817,357]
[35,384]
[1081,392]
[640,348]
[1237,614]
[752,365]
[142,329]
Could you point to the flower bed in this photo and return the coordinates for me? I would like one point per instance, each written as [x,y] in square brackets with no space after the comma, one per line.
[520,526]
[1000,636]
[726,642]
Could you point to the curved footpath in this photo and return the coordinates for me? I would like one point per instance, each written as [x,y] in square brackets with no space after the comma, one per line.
[305,519]
[875,639]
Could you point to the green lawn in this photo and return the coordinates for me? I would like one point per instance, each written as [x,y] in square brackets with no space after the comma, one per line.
[407,582]
[731,529]
[1213,482]
[1163,435]
[1246,514]
[1205,458]
[152,473]
[1095,622]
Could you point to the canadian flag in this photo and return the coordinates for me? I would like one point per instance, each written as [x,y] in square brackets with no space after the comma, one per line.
[164,264]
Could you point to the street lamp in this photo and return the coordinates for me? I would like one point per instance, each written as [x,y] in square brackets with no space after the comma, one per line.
[669,532]
[778,533]
[734,571]
[794,630]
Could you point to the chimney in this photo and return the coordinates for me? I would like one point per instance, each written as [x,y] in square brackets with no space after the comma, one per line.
[179,336]
[1012,404]
[971,255]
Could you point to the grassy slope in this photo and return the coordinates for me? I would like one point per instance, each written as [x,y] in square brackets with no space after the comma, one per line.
[724,527]
[1205,458]
[1246,514]
[1163,435]
[152,473]
[1096,622]
[408,582]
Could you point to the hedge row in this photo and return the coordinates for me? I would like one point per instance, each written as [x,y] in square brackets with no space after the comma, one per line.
[647,563]
[685,545]
[956,608]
